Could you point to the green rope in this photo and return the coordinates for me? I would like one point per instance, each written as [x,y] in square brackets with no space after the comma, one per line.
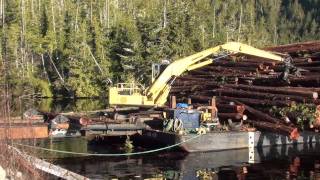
[121,154]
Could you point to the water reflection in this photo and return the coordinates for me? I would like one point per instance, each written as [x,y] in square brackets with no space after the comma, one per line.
[281,162]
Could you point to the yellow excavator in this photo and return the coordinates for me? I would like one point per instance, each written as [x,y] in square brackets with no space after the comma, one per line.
[164,75]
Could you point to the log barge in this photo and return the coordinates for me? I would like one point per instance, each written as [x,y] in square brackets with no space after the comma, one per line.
[218,141]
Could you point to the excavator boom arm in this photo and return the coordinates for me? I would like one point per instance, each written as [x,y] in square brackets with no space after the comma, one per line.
[160,88]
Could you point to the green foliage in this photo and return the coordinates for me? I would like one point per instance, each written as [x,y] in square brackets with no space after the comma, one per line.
[92,41]
[301,114]
[42,87]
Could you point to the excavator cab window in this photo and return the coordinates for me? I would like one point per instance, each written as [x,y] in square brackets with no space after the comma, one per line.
[158,68]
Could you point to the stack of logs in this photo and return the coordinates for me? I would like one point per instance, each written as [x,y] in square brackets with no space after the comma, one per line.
[251,86]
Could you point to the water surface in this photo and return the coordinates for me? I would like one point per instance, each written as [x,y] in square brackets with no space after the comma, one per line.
[281,162]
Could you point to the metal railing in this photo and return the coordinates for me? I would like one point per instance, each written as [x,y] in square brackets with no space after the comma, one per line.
[129,88]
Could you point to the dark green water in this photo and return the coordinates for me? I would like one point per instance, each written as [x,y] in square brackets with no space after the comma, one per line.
[282,162]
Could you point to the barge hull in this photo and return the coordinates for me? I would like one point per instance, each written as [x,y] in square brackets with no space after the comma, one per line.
[227,140]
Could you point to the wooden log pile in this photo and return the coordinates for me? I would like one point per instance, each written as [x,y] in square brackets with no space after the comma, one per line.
[254,84]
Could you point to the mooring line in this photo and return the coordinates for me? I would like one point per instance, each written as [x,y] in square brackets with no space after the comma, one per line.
[120,154]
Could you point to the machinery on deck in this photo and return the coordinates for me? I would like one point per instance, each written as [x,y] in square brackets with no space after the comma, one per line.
[164,75]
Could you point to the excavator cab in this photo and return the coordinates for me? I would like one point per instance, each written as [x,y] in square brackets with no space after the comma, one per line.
[158,68]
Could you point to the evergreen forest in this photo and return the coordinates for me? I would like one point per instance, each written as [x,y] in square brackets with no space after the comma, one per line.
[79,48]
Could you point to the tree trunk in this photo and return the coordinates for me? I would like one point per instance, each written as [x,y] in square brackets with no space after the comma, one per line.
[240,21]
[108,13]
[53,19]
[91,11]
[22,40]
[214,22]
[55,68]
[76,23]
[165,14]
[44,68]
[1,13]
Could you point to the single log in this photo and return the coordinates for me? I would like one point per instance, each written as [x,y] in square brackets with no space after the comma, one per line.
[307,64]
[307,73]
[188,78]
[207,77]
[226,73]
[258,102]
[180,89]
[279,128]
[304,92]
[303,69]
[182,83]
[227,108]
[268,62]
[238,64]
[192,87]
[261,115]
[244,69]
[265,71]
[301,60]
[303,89]
[257,95]
[313,46]
[225,69]
[309,81]
[253,102]
[311,69]
[225,116]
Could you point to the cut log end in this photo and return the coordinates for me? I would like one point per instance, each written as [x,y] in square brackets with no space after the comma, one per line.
[294,135]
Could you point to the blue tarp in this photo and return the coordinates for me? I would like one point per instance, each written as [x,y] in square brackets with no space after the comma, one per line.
[182,105]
